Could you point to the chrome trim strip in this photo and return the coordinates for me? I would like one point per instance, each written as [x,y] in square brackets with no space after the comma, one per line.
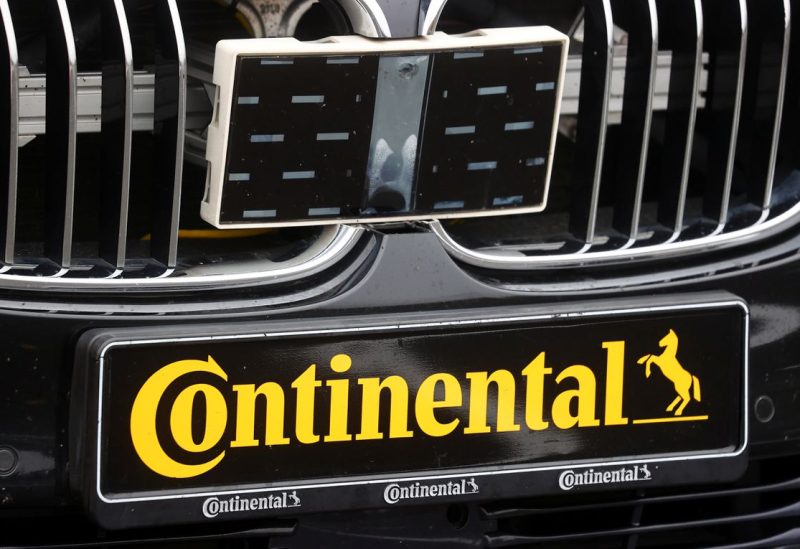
[687,161]
[712,242]
[127,47]
[72,135]
[632,225]
[787,38]
[737,112]
[590,227]
[329,249]
[13,149]
[181,131]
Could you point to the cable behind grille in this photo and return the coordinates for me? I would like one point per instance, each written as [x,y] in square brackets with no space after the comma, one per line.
[712,166]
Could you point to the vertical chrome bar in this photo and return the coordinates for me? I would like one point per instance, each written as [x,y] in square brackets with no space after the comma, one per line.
[170,125]
[9,131]
[763,97]
[116,132]
[62,88]
[726,41]
[640,19]
[781,101]
[595,94]
[789,140]
[681,23]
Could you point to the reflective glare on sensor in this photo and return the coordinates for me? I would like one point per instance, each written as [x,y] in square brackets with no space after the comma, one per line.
[352,129]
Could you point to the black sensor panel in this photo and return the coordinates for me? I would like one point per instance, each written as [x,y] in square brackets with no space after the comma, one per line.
[299,139]
[430,133]
[488,129]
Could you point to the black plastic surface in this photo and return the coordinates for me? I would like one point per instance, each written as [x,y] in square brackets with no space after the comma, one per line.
[310,137]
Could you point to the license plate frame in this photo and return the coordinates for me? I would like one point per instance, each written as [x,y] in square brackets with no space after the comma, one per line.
[181,504]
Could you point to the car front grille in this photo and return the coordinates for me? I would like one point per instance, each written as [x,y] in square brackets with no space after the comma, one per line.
[677,138]
[639,175]
[103,133]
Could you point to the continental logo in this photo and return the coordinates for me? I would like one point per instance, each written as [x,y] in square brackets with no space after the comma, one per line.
[397,492]
[214,506]
[588,477]
[226,422]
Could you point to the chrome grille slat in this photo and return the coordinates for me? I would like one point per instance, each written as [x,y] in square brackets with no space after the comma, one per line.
[782,87]
[682,29]
[170,124]
[595,94]
[9,122]
[765,79]
[726,41]
[62,78]
[117,133]
[789,141]
[667,223]
[641,19]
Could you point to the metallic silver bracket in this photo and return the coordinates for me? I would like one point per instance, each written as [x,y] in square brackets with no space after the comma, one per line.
[33,90]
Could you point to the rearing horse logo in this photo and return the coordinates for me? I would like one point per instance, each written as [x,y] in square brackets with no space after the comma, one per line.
[668,363]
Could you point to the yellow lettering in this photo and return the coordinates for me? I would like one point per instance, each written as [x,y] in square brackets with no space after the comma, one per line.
[143,420]
[584,395]
[615,373]
[371,389]
[535,373]
[246,396]
[340,393]
[305,385]
[182,415]
[478,402]
[426,404]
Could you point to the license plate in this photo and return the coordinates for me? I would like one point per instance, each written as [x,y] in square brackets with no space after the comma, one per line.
[224,423]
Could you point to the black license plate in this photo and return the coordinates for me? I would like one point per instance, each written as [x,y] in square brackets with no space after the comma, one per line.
[229,423]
